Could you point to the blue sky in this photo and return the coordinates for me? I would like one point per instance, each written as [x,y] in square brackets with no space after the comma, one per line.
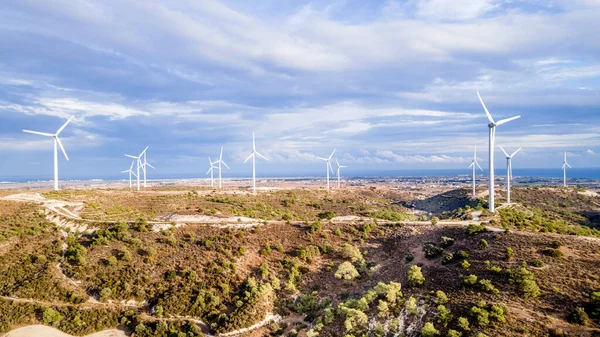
[390,84]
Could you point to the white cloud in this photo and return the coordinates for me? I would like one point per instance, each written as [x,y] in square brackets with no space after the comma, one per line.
[455,10]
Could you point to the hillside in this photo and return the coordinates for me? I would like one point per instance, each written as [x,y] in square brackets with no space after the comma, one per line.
[199,262]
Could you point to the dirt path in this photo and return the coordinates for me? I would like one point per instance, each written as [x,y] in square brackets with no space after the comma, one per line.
[45,331]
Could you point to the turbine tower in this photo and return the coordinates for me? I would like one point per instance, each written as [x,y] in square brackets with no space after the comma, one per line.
[210,170]
[140,164]
[338,171]
[130,171]
[509,174]
[220,161]
[144,165]
[564,167]
[474,165]
[492,139]
[56,141]
[253,156]
[328,166]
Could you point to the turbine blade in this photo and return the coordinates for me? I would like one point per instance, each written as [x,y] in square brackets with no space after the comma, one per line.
[221,156]
[146,149]
[489,116]
[507,120]
[222,162]
[479,166]
[337,162]
[126,171]
[504,151]
[62,148]
[64,125]
[152,167]
[210,169]
[39,133]
[473,163]
[516,152]
[253,143]
[325,159]
[568,165]
[210,161]
[330,167]
[130,156]
[250,156]
[263,157]
[131,167]
[331,154]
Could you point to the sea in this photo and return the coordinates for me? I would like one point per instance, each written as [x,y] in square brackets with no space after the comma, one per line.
[574,173]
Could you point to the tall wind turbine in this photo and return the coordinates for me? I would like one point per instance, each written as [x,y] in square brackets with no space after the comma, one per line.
[140,164]
[253,156]
[492,126]
[338,171]
[56,141]
[145,164]
[564,167]
[328,166]
[509,174]
[474,165]
[211,171]
[130,171]
[220,161]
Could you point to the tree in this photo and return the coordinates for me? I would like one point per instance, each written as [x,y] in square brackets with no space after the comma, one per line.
[346,271]
[429,330]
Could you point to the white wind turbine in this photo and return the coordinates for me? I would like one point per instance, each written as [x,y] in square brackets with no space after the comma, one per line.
[56,141]
[328,166]
[492,139]
[211,171]
[253,156]
[130,171]
[474,166]
[509,174]
[338,171]
[144,165]
[139,165]
[564,167]
[220,161]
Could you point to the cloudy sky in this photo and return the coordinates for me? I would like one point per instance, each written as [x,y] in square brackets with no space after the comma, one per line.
[390,84]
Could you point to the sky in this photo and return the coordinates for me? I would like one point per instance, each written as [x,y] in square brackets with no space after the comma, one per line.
[390,84]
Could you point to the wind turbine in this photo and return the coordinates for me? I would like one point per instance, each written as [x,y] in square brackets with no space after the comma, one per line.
[56,141]
[210,170]
[130,171]
[474,165]
[253,156]
[492,126]
[328,166]
[509,174]
[145,164]
[338,171]
[220,161]
[139,165]
[564,167]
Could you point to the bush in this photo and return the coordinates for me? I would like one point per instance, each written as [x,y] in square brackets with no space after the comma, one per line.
[431,250]
[510,253]
[462,254]
[346,271]
[482,244]
[409,257]
[447,242]
[556,244]
[266,250]
[316,226]
[435,220]
[326,215]
[351,252]
[51,316]
[481,315]
[470,280]
[466,265]
[579,316]
[553,252]
[453,333]
[411,305]
[463,323]
[487,286]
[444,315]
[595,304]
[440,297]
[474,229]
[429,330]
[415,277]
[447,258]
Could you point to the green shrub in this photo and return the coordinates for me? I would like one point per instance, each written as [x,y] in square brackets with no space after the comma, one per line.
[415,276]
[51,316]
[487,286]
[431,250]
[447,242]
[462,254]
[111,261]
[435,220]
[481,316]
[556,244]
[326,215]
[595,304]
[351,252]
[470,280]
[411,305]
[429,330]
[453,333]
[409,257]
[579,316]
[465,265]
[510,253]
[266,250]
[463,323]
[444,315]
[440,297]
[346,271]
[474,229]
[316,226]
[482,244]
[447,258]
[553,252]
